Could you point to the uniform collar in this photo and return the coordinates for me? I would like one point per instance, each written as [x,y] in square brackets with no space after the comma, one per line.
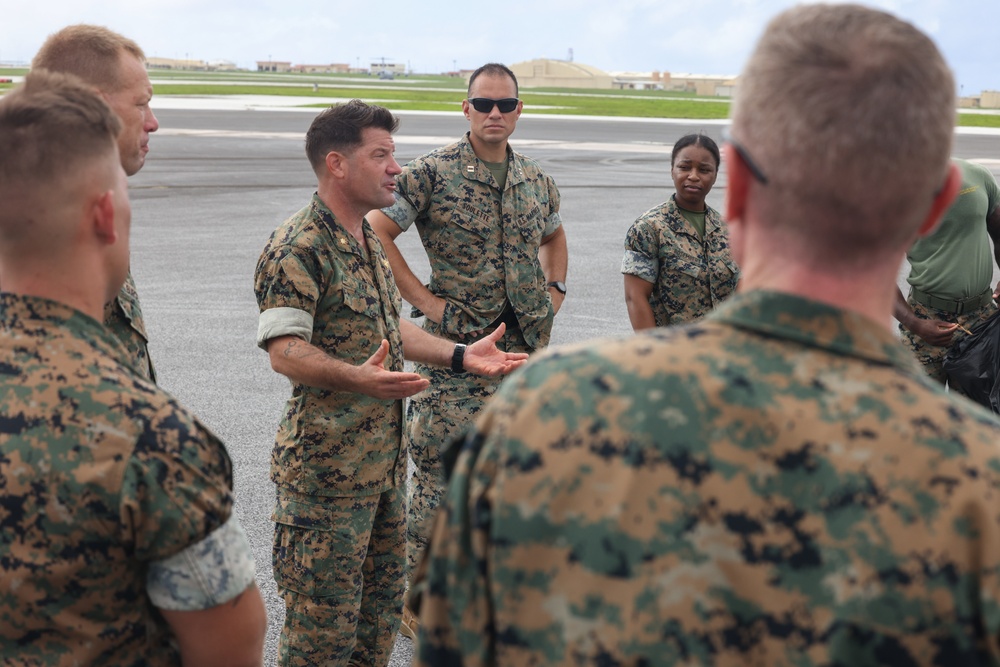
[342,240]
[713,223]
[815,324]
[17,309]
[475,169]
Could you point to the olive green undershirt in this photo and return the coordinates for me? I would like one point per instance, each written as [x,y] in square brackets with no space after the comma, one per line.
[499,171]
[696,219]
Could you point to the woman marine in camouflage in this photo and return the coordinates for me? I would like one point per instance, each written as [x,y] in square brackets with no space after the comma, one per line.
[677,262]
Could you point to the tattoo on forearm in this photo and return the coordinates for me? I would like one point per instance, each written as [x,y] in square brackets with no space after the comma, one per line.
[293,348]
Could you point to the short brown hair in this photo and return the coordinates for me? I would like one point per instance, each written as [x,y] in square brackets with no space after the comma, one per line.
[850,113]
[91,52]
[339,129]
[51,127]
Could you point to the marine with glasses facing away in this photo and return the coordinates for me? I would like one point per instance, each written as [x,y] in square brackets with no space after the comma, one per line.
[778,483]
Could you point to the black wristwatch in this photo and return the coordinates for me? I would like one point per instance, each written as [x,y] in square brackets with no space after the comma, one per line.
[558,284]
[458,358]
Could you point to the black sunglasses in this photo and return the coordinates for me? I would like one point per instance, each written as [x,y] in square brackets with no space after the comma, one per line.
[485,104]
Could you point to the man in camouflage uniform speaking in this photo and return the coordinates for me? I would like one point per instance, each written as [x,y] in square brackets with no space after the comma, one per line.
[779,484]
[118,543]
[329,320]
[489,221]
[116,67]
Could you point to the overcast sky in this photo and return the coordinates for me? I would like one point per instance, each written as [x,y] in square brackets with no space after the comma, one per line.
[694,36]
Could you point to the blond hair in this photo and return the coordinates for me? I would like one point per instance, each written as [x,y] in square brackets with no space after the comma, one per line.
[850,113]
[91,52]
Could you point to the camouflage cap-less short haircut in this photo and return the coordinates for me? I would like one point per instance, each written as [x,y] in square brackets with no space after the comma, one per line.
[91,52]
[49,126]
[339,129]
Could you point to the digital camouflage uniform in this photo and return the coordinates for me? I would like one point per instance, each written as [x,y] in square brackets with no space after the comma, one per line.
[951,270]
[123,316]
[930,356]
[690,276]
[779,484]
[102,476]
[338,460]
[483,251]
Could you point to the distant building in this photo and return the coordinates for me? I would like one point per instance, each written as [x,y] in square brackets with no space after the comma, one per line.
[989,99]
[177,63]
[274,66]
[639,80]
[545,73]
[332,68]
[391,68]
[704,85]
[222,65]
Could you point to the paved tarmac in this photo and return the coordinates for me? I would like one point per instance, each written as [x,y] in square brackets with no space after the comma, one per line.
[217,182]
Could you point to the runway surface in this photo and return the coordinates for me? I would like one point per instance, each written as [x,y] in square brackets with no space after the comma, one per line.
[217,182]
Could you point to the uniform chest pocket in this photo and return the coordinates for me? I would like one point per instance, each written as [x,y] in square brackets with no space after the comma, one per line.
[679,263]
[362,303]
[467,220]
[531,225]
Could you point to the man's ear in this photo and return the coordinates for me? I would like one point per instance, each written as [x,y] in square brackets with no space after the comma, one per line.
[102,213]
[737,185]
[335,163]
[943,200]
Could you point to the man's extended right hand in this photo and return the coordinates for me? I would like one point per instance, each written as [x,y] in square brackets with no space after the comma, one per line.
[372,379]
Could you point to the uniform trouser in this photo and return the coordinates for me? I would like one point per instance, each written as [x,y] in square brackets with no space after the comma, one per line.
[434,418]
[340,566]
[930,356]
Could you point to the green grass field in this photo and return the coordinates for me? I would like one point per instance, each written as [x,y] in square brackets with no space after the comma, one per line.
[443,93]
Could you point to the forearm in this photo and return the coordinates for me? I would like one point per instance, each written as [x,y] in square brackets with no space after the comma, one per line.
[553,256]
[637,292]
[640,314]
[425,348]
[412,289]
[902,312]
[304,363]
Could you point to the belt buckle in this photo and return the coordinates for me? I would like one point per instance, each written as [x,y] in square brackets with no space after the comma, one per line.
[972,303]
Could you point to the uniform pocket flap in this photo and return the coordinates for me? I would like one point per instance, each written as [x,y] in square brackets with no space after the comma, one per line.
[300,514]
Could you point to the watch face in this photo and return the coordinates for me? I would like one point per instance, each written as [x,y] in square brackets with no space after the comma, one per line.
[559,285]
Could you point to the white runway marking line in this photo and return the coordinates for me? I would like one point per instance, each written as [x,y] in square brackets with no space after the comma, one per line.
[438,141]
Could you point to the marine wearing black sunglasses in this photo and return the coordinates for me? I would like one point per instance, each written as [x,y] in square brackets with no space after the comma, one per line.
[485,104]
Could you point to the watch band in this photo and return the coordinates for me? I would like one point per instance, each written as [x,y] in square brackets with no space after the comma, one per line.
[458,358]
[558,284]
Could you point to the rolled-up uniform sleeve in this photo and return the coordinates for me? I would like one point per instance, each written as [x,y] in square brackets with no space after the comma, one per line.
[205,574]
[176,507]
[642,254]
[287,294]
